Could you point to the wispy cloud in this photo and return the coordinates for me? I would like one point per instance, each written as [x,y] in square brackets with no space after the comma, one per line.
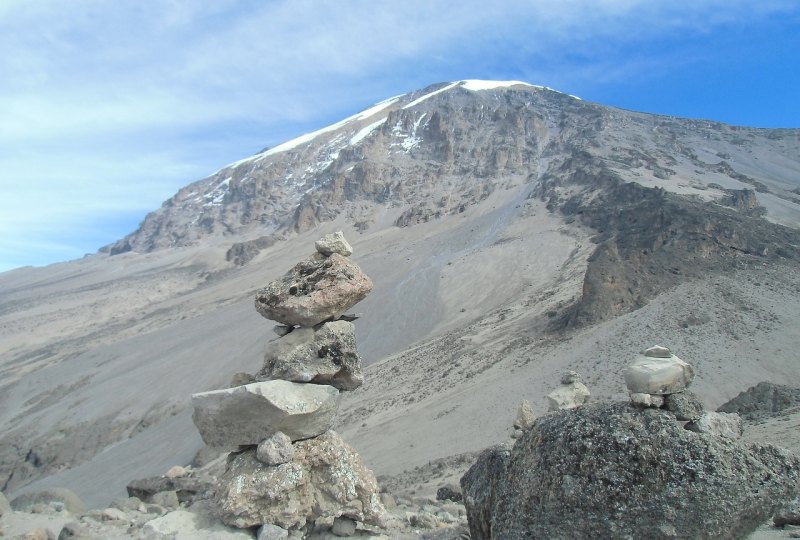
[109,107]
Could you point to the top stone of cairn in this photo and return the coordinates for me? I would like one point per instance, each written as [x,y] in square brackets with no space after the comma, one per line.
[658,372]
[318,289]
[334,243]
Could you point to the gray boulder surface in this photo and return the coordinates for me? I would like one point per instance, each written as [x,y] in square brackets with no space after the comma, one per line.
[656,375]
[314,290]
[5,506]
[685,405]
[616,471]
[483,485]
[788,514]
[326,478]
[763,400]
[324,354]
[246,415]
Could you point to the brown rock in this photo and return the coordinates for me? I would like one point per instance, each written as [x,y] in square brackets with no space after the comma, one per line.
[326,478]
[315,290]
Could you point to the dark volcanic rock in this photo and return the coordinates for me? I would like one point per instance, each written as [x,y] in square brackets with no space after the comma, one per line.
[763,400]
[684,405]
[315,290]
[650,240]
[614,471]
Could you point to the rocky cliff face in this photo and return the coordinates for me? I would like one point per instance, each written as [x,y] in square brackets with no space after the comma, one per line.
[439,150]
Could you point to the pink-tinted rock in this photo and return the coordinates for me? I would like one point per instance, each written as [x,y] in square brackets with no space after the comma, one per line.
[315,290]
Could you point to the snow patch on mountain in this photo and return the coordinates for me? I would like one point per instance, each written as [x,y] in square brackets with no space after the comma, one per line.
[358,137]
[308,137]
[476,84]
[431,94]
[216,195]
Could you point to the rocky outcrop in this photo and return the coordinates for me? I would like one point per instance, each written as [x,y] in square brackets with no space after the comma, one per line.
[763,400]
[324,478]
[617,471]
[315,290]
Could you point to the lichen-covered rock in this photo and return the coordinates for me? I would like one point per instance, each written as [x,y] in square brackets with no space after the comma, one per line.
[656,375]
[617,471]
[788,514]
[684,405]
[325,478]
[249,414]
[315,290]
[727,425]
[334,243]
[324,354]
[483,485]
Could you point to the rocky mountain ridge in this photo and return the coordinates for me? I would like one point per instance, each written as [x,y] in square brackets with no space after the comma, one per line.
[524,230]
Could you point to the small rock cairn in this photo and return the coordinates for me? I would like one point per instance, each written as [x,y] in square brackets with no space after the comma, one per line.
[287,467]
[659,379]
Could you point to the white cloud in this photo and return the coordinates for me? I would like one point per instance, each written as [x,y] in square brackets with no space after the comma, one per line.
[109,105]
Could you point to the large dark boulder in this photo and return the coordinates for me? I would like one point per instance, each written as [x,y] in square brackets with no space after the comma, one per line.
[614,471]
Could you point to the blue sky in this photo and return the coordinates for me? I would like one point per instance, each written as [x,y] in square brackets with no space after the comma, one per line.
[107,107]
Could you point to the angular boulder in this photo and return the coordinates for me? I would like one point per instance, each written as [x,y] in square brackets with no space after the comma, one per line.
[655,375]
[315,290]
[570,395]
[525,415]
[246,415]
[324,354]
[325,478]
[275,449]
[726,425]
[612,470]
[684,405]
[334,243]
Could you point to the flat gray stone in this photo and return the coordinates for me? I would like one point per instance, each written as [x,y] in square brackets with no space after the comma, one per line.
[246,415]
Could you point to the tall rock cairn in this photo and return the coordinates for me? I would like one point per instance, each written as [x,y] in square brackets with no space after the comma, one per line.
[287,467]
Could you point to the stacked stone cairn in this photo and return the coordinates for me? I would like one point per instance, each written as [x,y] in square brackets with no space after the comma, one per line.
[287,467]
[571,394]
[659,379]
